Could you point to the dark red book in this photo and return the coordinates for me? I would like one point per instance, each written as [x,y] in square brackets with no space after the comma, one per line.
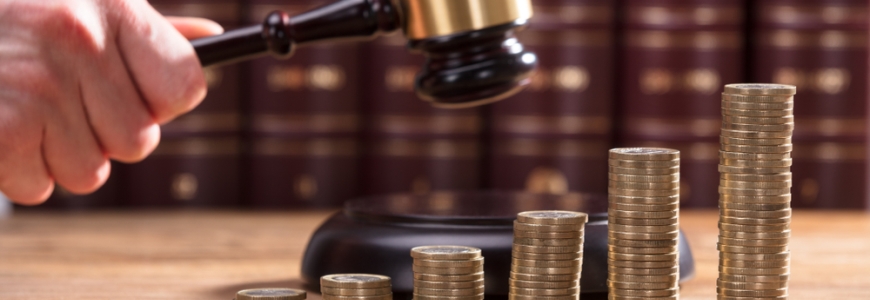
[676,56]
[554,136]
[820,47]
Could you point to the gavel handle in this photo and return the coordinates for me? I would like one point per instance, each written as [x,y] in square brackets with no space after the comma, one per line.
[280,33]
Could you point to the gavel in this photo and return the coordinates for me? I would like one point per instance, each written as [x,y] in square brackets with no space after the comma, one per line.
[472,54]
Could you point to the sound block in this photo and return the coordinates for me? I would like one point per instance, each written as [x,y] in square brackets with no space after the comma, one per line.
[375,235]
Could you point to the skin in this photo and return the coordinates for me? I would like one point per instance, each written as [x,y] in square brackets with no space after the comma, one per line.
[86,81]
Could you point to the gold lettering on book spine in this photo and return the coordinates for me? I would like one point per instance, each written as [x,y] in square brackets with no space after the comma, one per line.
[546,180]
[400,78]
[305,186]
[830,81]
[660,81]
[184,186]
[315,77]
[809,190]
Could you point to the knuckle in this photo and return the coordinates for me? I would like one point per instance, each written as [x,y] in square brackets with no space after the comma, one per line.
[91,176]
[139,144]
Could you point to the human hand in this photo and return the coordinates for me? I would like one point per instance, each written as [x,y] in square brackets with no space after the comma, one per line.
[85,81]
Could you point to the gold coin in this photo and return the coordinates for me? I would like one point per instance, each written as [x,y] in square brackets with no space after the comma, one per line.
[756,112]
[752,105]
[379,297]
[672,257]
[547,235]
[755,235]
[754,156]
[355,280]
[757,127]
[447,271]
[751,250]
[637,250]
[754,271]
[756,163]
[643,278]
[752,206]
[751,285]
[544,284]
[644,164]
[755,89]
[644,229]
[545,277]
[642,236]
[752,293]
[548,242]
[641,243]
[448,292]
[754,263]
[643,271]
[643,222]
[753,191]
[643,171]
[644,293]
[536,297]
[448,284]
[784,148]
[547,256]
[643,200]
[544,292]
[445,252]
[640,285]
[754,221]
[753,242]
[753,228]
[755,134]
[753,278]
[643,153]
[756,214]
[474,262]
[751,170]
[428,297]
[443,277]
[723,297]
[355,291]
[642,192]
[644,185]
[644,207]
[547,249]
[755,184]
[547,228]
[757,256]
[756,199]
[614,297]
[644,178]
[546,263]
[643,214]
[758,120]
[271,294]
[639,265]
[552,217]
[754,142]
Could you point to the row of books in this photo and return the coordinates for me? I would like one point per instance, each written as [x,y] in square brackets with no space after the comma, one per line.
[340,121]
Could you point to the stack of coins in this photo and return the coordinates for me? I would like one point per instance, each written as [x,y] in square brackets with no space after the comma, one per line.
[643,223]
[754,191]
[356,287]
[271,294]
[547,255]
[447,273]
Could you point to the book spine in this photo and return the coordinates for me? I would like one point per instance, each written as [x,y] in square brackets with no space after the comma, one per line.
[411,146]
[820,47]
[304,122]
[553,137]
[676,57]
[198,161]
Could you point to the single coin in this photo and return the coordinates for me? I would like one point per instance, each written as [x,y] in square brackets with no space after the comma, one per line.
[641,243]
[754,228]
[643,214]
[726,204]
[758,120]
[643,222]
[474,262]
[428,297]
[754,221]
[723,297]
[754,142]
[752,293]
[642,271]
[448,284]
[644,153]
[756,214]
[643,278]
[757,127]
[443,277]
[271,294]
[645,164]
[752,105]
[545,277]
[637,250]
[644,178]
[642,192]
[547,228]
[753,192]
[643,171]
[547,249]
[756,112]
[642,236]
[751,285]
[755,184]
[754,263]
[448,292]
[753,242]
[548,242]
[547,235]
[547,256]
[355,280]
[546,263]
[644,293]
[752,170]
[755,134]
[643,200]
[751,250]
[447,271]
[784,148]
[445,252]
[641,264]
[640,285]
[552,217]
[544,292]
[537,297]
[756,163]
[754,271]
[543,284]
[644,207]
[673,256]
[644,185]
[755,235]
[355,291]
[643,229]
[759,199]
[754,156]
[754,89]
[379,297]
[760,256]
[614,297]
[753,278]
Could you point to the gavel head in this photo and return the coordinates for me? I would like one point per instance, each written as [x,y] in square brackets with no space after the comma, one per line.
[472,54]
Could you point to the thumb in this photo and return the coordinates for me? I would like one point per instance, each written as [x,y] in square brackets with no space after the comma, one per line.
[192,28]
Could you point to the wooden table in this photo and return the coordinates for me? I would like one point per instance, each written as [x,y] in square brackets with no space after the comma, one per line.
[210,255]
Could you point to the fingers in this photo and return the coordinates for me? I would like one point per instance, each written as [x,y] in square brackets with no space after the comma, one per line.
[24,176]
[193,28]
[161,61]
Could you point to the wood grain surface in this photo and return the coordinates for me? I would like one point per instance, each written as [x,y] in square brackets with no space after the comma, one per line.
[210,255]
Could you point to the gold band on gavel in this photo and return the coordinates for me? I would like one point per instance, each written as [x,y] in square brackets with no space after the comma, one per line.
[433,18]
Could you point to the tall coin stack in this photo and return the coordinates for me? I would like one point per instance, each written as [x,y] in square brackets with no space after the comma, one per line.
[356,287]
[547,255]
[447,273]
[754,191]
[643,223]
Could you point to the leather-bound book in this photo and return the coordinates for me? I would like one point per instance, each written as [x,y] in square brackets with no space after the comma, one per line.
[409,145]
[820,47]
[304,122]
[553,136]
[676,56]
[197,163]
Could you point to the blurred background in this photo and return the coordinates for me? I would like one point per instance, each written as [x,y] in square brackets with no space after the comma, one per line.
[340,121]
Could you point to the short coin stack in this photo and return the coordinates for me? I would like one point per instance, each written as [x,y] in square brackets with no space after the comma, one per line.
[447,273]
[271,294]
[755,191]
[643,223]
[547,255]
[356,287]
